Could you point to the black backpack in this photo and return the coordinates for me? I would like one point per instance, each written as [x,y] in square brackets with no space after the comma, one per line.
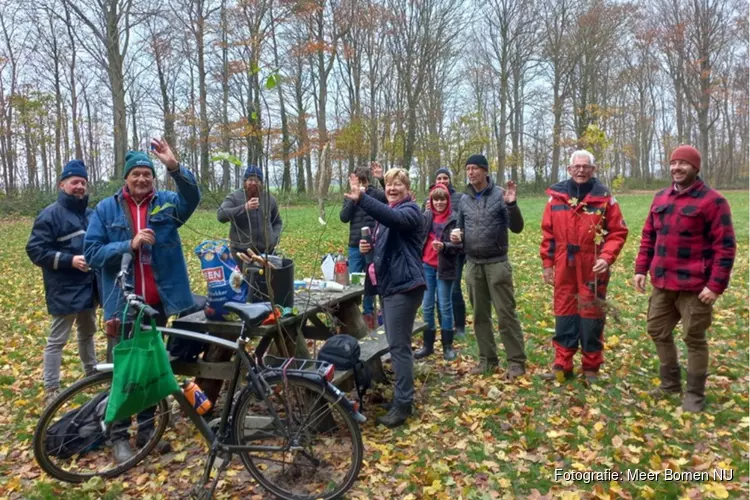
[343,352]
[78,431]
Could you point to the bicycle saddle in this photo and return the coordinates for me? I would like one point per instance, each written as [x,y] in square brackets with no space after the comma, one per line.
[251,314]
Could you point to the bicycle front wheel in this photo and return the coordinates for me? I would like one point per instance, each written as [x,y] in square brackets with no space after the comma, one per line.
[74,453]
[319,443]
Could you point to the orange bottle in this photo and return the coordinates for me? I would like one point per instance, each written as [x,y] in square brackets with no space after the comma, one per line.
[196,397]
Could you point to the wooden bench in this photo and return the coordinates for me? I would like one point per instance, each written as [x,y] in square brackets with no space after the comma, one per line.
[372,349]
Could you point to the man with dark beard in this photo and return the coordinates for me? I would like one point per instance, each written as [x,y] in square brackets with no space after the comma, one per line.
[253,214]
[688,246]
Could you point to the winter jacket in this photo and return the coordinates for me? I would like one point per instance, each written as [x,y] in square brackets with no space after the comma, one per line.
[111,231]
[246,229]
[485,221]
[688,240]
[358,218]
[57,236]
[448,256]
[568,230]
[398,245]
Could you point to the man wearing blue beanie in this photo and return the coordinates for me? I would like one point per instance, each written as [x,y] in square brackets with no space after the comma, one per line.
[56,245]
[253,215]
[143,222]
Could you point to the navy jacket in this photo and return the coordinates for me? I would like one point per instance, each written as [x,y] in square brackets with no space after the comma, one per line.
[57,236]
[357,217]
[398,245]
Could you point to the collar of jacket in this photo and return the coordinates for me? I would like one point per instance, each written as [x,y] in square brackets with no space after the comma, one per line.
[72,203]
[473,192]
[124,195]
[693,191]
[598,193]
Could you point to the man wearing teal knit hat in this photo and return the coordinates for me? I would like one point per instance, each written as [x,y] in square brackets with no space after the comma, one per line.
[142,222]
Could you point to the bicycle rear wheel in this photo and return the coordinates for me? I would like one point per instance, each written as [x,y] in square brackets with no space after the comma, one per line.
[69,457]
[320,441]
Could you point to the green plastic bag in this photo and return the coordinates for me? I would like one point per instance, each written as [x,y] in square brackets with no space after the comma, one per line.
[142,374]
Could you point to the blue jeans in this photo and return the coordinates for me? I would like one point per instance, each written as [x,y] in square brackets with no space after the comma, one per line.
[357,265]
[442,290]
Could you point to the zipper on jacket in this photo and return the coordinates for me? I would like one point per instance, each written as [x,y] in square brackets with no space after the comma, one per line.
[140,261]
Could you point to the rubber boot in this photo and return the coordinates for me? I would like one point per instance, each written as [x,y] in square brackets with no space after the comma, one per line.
[428,347]
[695,392]
[671,382]
[369,320]
[446,338]
[396,416]
[557,373]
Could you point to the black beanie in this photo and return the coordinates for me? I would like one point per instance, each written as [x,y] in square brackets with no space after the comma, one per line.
[445,171]
[479,161]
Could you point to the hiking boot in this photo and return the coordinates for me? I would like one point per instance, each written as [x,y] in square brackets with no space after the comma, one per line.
[671,382]
[121,451]
[50,394]
[428,347]
[695,392]
[446,338]
[396,416]
[386,405]
[590,376]
[460,332]
[558,374]
[485,366]
[515,370]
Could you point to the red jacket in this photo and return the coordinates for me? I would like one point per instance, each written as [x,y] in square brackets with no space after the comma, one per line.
[567,230]
[688,240]
[145,285]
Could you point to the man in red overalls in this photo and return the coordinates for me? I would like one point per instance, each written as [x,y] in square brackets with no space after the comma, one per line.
[583,232]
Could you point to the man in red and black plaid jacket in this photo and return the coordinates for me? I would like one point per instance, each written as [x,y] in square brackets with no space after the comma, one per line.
[688,247]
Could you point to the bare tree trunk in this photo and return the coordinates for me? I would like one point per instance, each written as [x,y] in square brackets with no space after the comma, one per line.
[225,132]
[286,143]
[73,88]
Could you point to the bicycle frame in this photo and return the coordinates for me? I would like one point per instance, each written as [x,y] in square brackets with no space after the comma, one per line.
[242,358]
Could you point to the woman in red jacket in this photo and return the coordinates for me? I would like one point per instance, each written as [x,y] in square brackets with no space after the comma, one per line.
[440,270]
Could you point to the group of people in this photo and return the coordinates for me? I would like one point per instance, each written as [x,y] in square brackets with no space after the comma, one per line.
[80,250]
[687,245]
[418,258]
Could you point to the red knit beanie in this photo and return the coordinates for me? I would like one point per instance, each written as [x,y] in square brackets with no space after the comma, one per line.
[688,154]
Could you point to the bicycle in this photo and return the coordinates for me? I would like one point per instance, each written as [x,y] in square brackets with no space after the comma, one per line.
[296,434]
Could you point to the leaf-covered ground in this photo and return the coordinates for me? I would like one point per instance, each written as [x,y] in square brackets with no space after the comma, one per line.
[472,437]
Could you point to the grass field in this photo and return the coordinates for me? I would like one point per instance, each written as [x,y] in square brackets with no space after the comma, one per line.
[471,437]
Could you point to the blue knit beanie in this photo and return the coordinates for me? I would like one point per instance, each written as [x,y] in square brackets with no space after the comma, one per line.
[74,168]
[253,170]
[135,159]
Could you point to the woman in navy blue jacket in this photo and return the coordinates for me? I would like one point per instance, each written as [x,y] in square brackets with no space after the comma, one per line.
[397,272]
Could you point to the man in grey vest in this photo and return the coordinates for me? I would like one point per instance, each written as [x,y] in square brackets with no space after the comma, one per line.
[485,215]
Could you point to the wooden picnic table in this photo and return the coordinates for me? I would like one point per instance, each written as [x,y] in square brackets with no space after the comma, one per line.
[319,315]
